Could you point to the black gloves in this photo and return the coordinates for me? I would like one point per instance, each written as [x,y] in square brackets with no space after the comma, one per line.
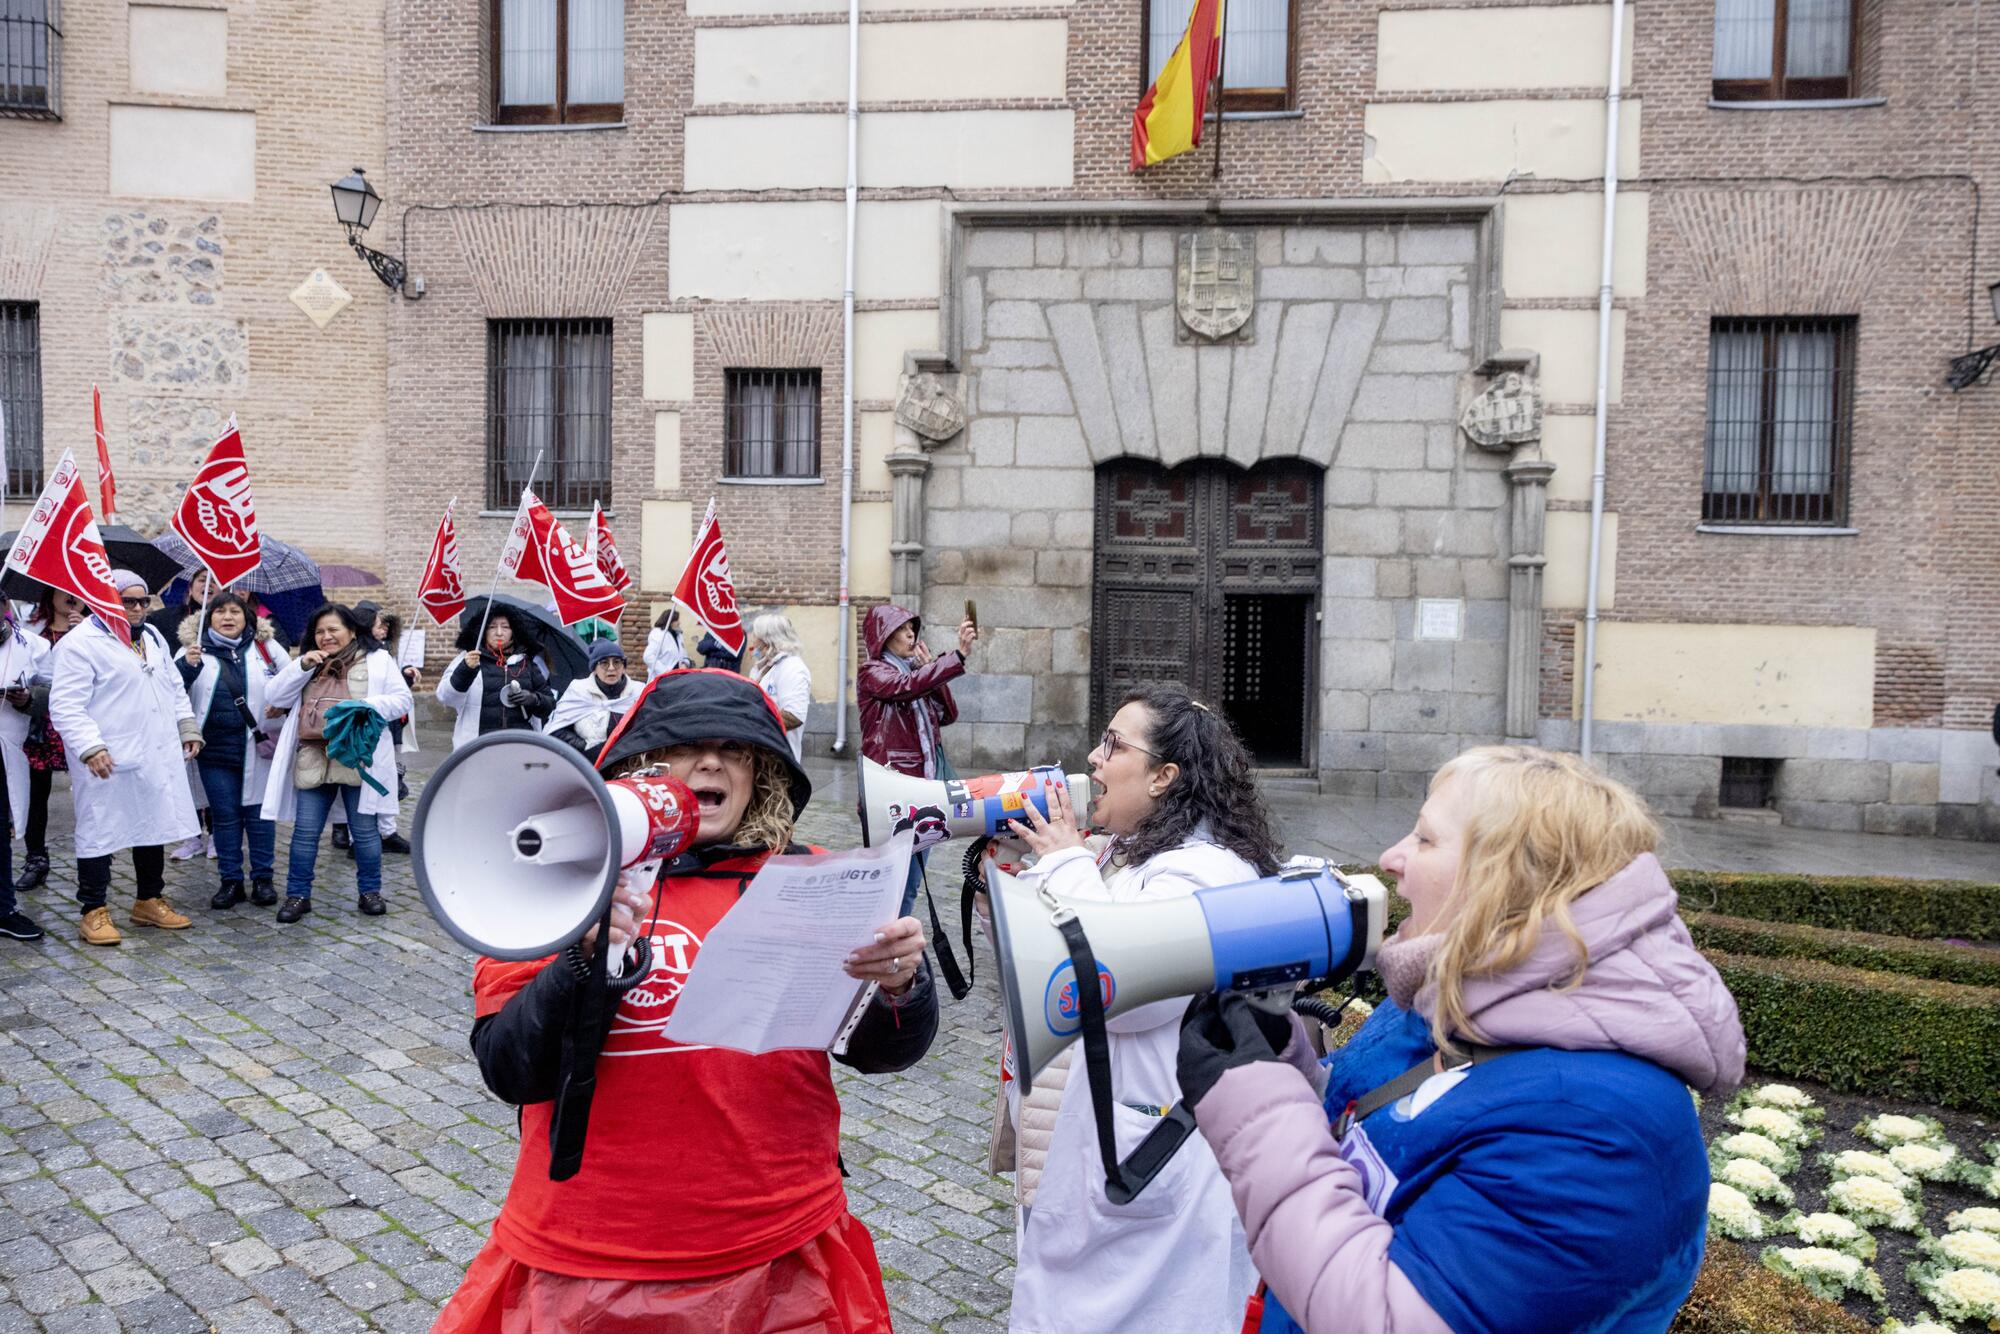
[1221,1031]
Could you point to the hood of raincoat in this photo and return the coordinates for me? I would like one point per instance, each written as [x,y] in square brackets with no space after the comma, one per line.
[884,621]
[698,704]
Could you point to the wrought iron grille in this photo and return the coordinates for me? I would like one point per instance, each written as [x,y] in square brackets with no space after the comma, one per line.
[548,392]
[21,397]
[31,59]
[1747,782]
[1780,421]
[770,424]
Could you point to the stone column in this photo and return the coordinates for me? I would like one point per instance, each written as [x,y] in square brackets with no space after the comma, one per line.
[908,466]
[1528,476]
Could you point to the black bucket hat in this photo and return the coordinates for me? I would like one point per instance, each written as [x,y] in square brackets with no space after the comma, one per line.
[699,704]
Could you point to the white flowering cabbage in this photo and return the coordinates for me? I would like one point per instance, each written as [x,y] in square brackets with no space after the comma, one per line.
[1773,1123]
[1782,1096]
[1827,1229]
[1969,1250]
[1755,1180]
[1925,1161]
[1980,1177]
[1731,1213]
[1921,1327]
[1872,1202]
[1979,1218]
[1889,1129]
[1826,1273]
[1959,1294]
[1750,1144]
[1861,1163]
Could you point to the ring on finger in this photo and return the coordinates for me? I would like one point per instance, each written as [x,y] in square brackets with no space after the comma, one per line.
[895,965]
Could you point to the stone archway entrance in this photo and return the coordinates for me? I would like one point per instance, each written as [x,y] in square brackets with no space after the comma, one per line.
[1209,575]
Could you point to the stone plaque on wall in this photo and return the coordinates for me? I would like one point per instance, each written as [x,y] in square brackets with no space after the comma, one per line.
[1215,284]
[320,297]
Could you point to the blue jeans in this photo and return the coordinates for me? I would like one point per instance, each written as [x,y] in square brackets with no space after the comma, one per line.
[315,804]
[232,819]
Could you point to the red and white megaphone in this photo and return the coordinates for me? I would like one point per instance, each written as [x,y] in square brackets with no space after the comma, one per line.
[518,843]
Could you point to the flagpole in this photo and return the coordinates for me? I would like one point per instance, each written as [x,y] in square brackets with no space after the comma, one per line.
[1221,82]
[479,644]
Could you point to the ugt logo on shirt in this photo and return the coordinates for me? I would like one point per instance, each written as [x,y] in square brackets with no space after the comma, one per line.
[639,1028]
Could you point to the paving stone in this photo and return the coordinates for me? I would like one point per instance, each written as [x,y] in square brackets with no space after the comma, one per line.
[123,1283]
[246,1257]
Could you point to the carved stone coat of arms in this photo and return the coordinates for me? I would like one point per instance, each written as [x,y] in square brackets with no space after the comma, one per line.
[1215,282]
[1507,414]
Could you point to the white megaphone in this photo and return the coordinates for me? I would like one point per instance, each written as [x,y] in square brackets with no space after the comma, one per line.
[936,809]
[518,843]
[1308,923]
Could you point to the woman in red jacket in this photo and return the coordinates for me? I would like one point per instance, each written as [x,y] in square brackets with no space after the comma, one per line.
[906,702]
[710,1194]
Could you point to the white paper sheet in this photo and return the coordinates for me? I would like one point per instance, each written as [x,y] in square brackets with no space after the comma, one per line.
[769,976]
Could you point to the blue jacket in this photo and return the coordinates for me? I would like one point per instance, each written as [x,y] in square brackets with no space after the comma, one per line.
[1534,1195]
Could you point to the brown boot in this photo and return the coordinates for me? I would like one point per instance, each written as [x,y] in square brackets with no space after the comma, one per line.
[96,928]
[157,912]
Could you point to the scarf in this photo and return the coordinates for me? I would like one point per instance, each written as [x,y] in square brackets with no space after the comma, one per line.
[927,738]
[1404,964]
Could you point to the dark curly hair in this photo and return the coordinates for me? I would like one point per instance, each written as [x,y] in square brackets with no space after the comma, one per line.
[1214,790]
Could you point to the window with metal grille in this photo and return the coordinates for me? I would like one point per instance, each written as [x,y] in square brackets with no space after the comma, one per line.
[21,397]
[1256,49]
[31,59]
[548,394]
[1785,50]
[770,424]
[558,62]
[1747,782]
[1780,414]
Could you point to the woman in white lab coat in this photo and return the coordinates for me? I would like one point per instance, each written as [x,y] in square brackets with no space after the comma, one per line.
[783,673]
[1174,790]
[130,731]
[23,658]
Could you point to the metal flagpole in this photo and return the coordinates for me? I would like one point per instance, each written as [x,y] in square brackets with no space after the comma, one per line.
[1221,50]
[479,643]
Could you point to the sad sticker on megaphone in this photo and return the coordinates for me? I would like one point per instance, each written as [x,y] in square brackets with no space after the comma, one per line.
[1063,1003]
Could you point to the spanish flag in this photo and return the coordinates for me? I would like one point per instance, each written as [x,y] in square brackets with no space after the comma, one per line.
[1168,121]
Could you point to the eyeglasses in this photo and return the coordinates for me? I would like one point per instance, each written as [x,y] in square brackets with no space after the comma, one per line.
[137,602]
[1111,741]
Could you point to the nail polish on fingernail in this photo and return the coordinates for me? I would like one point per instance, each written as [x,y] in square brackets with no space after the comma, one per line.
[879,937]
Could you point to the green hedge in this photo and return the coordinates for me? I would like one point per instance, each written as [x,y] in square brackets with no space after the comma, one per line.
[1882,1033]
[1968,964]
[1880,904]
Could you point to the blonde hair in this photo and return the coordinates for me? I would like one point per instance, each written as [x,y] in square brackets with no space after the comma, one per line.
[768,820]
[1540,829]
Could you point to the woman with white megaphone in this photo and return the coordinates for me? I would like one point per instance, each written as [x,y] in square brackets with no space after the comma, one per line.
[1513,1150]
[1175,792]
[710,1194]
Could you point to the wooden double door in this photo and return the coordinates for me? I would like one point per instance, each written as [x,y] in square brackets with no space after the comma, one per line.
[1208,575]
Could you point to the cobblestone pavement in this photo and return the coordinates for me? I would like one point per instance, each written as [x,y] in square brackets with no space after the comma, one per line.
[249,1127]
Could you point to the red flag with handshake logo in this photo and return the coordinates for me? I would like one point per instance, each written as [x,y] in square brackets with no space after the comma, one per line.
[442,592]
[216,517]
[705,589]
[60,546]
[540,551]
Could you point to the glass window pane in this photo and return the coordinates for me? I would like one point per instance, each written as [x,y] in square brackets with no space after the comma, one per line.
[1816,35]
[596,50]
[586,435]
[1802,434]
[1254,50]
[1743,32]
[1735,402]
[527,53]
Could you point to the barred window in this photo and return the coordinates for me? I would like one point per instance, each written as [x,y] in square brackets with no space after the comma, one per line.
[1256,49]
[21,397]
[31,59]
[770,424]
[548,393]
[1780,415]
[558,61]
[1784,50]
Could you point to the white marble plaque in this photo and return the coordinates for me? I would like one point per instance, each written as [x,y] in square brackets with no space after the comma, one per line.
[1440,618]
[321,298]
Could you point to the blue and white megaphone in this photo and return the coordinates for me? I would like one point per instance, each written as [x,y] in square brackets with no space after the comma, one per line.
[1308,923]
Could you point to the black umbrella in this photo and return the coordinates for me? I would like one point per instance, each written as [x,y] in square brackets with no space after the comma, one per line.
[125,547]
[536,630]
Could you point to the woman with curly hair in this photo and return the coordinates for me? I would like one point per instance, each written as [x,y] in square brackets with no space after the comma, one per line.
[709,1196]
[1173,788]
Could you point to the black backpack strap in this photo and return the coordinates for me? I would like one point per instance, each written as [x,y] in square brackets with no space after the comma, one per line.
[1375,1099]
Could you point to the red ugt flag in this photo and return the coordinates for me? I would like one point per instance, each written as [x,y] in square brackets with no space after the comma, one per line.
[540,551]
[705,589]
[107,484]
[605,552]
[216,517]
[441,593]
[60,546]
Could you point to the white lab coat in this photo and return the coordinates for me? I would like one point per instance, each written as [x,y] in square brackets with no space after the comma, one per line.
[1173,1261]
[465,730]
[788,680]
[22,658]
[584,707]
[664,652]
[102,696]
[257,678]
[388,694]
